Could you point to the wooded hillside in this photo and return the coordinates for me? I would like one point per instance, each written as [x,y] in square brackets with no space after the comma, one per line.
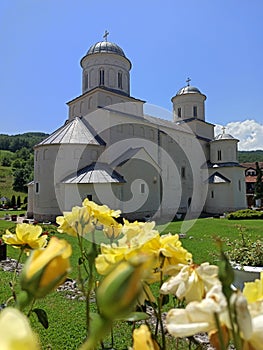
[250,156]
[14,143]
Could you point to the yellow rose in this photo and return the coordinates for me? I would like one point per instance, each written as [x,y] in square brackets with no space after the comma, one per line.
[77,222]
[142,339]
[113,231]
[27,237]
[253,291]
[46,269]
[102,213]
[15,331]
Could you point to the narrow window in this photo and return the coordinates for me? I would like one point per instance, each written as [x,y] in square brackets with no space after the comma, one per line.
[101,76]
[195,111]
[179,112]
[219,155]
[142,188]
[120,80]
[239,185]
[86,81]
[212,194]
[183,172]
[37,187]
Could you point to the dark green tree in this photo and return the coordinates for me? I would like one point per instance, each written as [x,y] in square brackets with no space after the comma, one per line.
[18,201]
[13,201]
[21,178]
[258,193]
[6,161]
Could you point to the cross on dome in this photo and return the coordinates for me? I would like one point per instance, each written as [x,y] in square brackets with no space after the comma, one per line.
[188,81]
[105,36]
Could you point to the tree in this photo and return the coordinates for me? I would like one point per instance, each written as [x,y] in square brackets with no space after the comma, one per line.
[13,201]
[18,202]
[258,193]
[6,161]
[21,178]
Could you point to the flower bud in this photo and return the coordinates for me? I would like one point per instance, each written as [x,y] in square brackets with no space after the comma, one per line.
[119,290]
[243,317]
[46,268]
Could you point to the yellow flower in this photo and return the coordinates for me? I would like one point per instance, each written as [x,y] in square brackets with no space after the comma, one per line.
[171,248]
[108,257]
[111,254]
[77,222]
[27,237]
[102,213]
[15,331]
[135,233]
[45,269]
[192,282]
[142,339]
[113,231]
[253,291]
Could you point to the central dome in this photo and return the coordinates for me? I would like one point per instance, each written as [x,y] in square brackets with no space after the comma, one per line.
[105,47]
[188,89]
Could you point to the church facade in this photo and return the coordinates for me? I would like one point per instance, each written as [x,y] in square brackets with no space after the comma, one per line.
[109,150]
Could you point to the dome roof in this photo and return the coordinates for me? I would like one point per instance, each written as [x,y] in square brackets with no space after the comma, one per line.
[224,136]
[188,89]
[105,47]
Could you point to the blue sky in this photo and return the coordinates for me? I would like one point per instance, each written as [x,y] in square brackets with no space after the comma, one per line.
[218,44]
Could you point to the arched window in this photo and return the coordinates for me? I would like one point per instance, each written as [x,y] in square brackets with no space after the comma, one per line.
[179,112]
[101,76]
[194,111]
[120,80]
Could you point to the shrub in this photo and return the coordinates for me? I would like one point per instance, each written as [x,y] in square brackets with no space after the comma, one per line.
[245,214]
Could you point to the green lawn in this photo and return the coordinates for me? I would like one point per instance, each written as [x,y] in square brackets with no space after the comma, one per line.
[67,317]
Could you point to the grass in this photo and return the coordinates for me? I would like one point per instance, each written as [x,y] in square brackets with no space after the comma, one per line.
[67,317]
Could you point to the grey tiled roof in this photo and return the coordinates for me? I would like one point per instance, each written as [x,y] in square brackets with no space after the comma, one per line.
[76,131]
[95,173]
[127,155]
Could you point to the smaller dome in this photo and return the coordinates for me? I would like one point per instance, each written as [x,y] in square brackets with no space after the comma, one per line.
[188,89]
[105,47]
[224,136]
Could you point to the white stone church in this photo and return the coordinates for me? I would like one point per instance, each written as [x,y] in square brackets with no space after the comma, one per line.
[109,150]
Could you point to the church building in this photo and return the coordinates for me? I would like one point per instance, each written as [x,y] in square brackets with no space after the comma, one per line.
[110,151]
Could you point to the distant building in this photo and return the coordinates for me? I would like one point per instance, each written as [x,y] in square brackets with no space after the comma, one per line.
[110,151]
[251,178]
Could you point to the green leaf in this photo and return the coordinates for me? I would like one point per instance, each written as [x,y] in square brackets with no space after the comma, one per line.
[135,316]
[42,317]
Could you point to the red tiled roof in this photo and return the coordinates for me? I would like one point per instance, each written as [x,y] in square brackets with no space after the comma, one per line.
[251,179]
